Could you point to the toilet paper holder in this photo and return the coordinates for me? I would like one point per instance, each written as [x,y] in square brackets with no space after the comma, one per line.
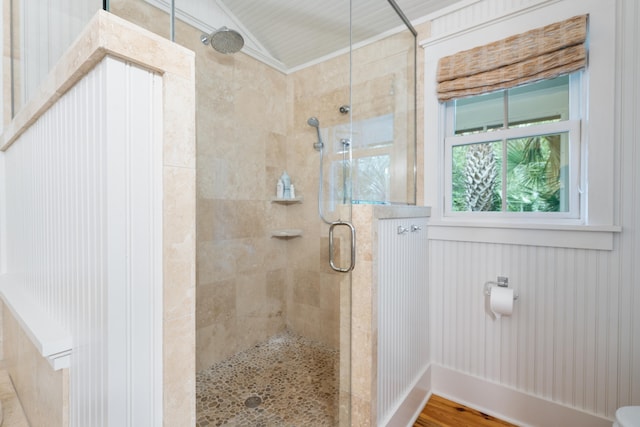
[502,281]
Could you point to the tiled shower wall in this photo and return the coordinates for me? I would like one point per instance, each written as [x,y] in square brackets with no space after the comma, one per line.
[256,127]
[241,271]
[251,126]
[378,81]
[249,285]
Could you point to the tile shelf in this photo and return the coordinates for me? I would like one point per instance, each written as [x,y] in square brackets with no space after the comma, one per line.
[286,233]
[286,201]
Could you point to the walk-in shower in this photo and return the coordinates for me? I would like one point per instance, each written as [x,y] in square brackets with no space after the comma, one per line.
[268,301]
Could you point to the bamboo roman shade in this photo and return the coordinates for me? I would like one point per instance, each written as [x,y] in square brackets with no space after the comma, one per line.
[542,53]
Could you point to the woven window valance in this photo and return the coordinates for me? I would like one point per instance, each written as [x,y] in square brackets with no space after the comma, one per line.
[542,53]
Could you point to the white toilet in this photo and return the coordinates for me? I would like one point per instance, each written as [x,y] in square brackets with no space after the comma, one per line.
[628,416]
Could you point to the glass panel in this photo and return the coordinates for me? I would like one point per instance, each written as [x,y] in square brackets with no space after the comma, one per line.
[341,137]
[373,133]
[253,123]
[154,16]
[479,113]
[538,174]
[384,106]
[40,34]
[340,184]
[371,179]
[543,102]
[476,177]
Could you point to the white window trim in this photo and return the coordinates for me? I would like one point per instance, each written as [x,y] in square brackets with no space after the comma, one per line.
[596,226]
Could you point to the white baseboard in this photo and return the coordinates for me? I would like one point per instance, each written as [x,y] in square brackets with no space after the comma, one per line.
[506,403]
[410,409]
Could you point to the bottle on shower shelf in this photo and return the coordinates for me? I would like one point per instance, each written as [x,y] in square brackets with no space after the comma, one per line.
[286,183]
[280,189]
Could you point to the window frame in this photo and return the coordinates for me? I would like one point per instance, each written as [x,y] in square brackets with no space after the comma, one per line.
[572,126]
[596,226]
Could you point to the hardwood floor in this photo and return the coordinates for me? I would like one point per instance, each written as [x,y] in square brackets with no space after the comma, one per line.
[440,412]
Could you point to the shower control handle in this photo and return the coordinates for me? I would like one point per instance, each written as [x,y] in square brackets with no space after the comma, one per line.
[415,228]
[402,230]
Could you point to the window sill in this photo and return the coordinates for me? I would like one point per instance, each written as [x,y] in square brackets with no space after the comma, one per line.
[596,237]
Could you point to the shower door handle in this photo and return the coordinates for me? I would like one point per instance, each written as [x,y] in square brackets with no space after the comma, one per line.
[352,230]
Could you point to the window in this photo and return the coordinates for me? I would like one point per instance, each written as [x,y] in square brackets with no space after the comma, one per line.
[515,152]
[591,171]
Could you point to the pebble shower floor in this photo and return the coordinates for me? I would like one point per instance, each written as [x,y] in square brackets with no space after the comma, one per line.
[284,382]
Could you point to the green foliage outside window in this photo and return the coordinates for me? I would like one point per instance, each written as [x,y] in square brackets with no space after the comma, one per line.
[535,175]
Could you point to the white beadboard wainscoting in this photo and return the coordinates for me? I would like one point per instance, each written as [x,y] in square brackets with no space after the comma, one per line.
[84,238]
[403,318]
[569,338]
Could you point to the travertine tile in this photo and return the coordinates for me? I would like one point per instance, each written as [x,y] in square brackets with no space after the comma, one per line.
[178,371]
[215,303]
[361,413]
[179,122]
[306,288]
[41,389]
[12,413]
[252,330]
[363,302]
[179,235]
[208,339]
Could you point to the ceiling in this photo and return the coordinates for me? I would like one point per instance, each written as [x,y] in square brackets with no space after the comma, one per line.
[291,34]
[297,32]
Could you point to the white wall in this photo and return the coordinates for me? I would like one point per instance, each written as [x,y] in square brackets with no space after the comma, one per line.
[401,315]
[574,337]
[84,238]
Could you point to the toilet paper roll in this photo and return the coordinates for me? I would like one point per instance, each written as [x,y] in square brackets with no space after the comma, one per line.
[501,301]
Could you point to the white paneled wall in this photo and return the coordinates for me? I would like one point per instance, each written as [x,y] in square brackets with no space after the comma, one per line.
[477,13]
[84,238]
[574,336]
[562,342]
[403,319]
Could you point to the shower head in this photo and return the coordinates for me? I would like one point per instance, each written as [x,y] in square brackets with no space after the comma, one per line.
[313,121]
[224,40]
